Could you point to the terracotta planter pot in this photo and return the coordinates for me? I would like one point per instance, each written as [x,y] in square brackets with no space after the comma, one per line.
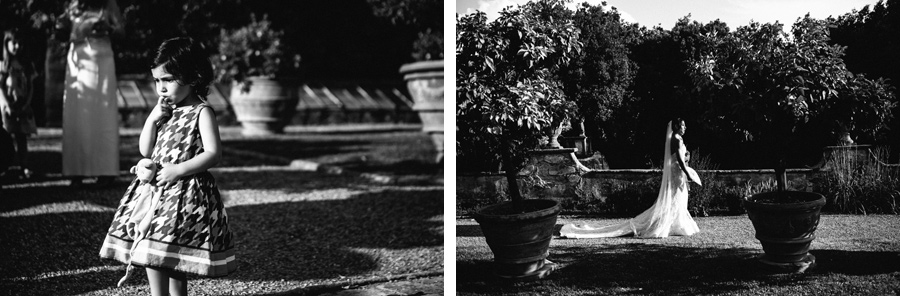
[520,242]
[267,107]
[785,224]
[425,81]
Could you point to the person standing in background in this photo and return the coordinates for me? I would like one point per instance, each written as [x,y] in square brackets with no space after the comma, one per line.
[16,90]
[90,113]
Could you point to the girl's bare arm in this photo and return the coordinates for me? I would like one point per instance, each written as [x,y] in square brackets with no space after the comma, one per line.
[212,151]
[148,133]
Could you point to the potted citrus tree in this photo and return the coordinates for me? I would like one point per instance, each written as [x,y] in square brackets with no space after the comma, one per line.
[263,73]
[425,76]
[779,91]
[507,95]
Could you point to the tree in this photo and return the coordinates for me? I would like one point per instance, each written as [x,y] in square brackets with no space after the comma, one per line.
[508,88]
[599,79]
[425,16]
[774,88]
[872,47]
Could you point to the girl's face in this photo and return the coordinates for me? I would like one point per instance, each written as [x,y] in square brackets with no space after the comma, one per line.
[169,88]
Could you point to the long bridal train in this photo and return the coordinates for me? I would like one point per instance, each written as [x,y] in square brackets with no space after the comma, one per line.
[668,215]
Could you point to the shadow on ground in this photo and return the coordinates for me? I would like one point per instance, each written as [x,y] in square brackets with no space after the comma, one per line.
[281,150]
[288,225]
[391,153]
[638,268]
[323,237]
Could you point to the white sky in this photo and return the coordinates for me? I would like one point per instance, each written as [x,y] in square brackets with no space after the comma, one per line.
[664,13]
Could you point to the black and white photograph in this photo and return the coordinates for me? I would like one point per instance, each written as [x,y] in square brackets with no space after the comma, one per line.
[222,147]
[617,147]
[677,147]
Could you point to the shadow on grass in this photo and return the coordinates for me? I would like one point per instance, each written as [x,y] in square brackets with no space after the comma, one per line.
[285,181]
[394,153]
[856,263]
[468,231]
[47,243]
[288,225]
[71,284]
[280,150]
[44,156]
[406,167]
[327,239]
[264,151]
[636,268]
[43,196]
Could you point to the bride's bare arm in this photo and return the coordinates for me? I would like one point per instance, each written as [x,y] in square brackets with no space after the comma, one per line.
[676,148]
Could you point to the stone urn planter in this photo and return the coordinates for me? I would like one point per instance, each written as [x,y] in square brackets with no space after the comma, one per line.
[785,223]
[555,131]
[520,241]
[267,107]
[425,81]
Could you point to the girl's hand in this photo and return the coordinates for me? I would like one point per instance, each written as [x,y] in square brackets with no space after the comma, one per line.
[168,174]
[162,111]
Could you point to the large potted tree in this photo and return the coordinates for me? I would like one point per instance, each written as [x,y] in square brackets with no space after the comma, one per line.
[263,72]
[779,91]
[425,76]
[508,93]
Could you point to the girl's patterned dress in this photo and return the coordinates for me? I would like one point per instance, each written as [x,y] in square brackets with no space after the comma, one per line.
[189,230]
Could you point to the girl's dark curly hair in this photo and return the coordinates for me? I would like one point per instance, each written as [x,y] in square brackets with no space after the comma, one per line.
[188,61]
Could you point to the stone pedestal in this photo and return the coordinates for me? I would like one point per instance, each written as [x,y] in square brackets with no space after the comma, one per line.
[552,173]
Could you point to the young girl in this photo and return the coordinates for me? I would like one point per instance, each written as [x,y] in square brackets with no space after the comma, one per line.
[16,89]
[188,229]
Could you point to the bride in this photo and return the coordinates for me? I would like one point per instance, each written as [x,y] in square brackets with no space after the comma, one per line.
[669,214]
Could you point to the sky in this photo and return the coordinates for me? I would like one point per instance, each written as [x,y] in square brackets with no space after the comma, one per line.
[665,13]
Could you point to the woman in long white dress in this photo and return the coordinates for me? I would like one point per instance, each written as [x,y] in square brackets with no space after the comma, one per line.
[669,214]
[90,112]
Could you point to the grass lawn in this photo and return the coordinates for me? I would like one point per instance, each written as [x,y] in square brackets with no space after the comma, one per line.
[855,255]
[294,229]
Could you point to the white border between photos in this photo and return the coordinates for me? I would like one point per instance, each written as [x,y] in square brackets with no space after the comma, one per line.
[449,149]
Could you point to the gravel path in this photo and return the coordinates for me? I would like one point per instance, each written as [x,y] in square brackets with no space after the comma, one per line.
[294,229]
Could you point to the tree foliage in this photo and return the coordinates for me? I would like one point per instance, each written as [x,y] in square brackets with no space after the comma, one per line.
[872,47]
[508,88]
[776,89]
[338,40]
[748,94]
[751,95]
[425,16]
[256,49]
[599,78]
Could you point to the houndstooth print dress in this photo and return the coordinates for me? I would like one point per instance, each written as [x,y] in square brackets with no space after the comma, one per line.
[189,230]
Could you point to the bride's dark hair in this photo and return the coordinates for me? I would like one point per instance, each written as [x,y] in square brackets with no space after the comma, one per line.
[676,127]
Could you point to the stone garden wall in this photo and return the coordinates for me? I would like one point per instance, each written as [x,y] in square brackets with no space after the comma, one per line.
[557,174]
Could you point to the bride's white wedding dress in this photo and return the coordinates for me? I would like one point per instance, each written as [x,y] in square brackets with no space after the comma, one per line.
[668,215]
